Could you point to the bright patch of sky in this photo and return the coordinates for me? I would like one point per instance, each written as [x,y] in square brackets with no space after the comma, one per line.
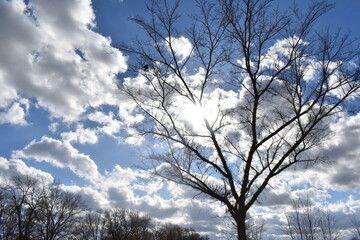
[62,116]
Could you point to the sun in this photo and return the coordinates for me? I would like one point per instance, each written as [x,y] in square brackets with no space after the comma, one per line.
[195,114]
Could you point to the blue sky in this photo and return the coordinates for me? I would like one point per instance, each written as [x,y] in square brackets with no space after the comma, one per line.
[61,116]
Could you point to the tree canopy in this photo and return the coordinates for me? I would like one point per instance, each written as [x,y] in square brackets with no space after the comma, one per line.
[240,96]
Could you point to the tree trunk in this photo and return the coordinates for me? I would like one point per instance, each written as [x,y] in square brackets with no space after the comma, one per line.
[241,226]
[241,232]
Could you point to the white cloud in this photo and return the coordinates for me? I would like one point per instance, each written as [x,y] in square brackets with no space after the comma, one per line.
[81,135]
[138,190]
[339,174]
[109,124]
[181,46]
[16,167]
[53,127]
[150,186]
[64,65]
[16,113]
[279,53]
[92,198]
[117,186]
[179,191]
[61,155]
[310,193]
[127,114]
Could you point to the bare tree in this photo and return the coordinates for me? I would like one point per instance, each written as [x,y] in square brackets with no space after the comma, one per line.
[328,226]
[92,227]
[240,97]
[20,201]
[115,221]
[8,219]
[255,229]
[139,226]
[124,224]
[58,214]
[32,210]
[355,223]
[303,222]
[119,223]
[309,223]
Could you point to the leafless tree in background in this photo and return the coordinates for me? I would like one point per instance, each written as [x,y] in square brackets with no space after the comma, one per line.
[328,226]
[20,202]
[119,223]
[170,232]
[309,223]
[58,214]
[124,224]
[92,227]
[287,79]
[31,210]
[355,223]
[255,229]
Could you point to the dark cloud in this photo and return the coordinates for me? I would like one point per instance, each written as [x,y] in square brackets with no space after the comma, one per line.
[272,198]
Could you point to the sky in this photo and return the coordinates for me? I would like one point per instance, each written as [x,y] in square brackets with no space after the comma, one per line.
[62,117]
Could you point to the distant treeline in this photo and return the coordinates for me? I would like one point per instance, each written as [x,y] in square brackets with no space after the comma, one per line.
[30,209]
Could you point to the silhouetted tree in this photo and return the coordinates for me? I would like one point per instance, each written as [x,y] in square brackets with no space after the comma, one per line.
[20,200]
[123,224]
[174,232]
[92,226]
[32,210]
[240,97]
[58,214]
[130,225]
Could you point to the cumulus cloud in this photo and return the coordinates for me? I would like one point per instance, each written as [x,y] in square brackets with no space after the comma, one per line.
[274,198]
[16,167]
[93,198]
[64,65]
[118,186]
[16,113]
[80,135]
[108,123]
[181,191]
[61,155]
[136,190]
[342,151]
